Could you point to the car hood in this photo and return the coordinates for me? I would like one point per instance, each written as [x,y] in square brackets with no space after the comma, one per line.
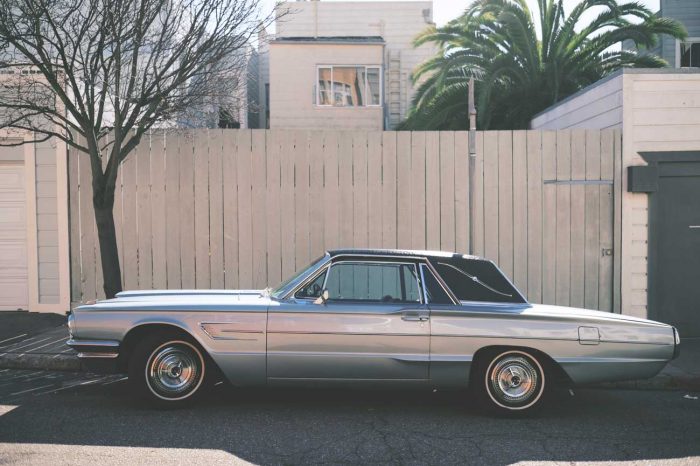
[181,300]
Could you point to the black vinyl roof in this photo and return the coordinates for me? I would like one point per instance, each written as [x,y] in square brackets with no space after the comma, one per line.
[401,252]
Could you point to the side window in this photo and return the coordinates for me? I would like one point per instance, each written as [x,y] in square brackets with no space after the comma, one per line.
[314,288]
[373,282]
[436,294]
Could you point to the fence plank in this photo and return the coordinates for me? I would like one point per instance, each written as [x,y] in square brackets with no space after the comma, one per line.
[592,220]
[418,194]
[563,211]
[172,211]
[578,218]
[144,216]
[272,199]
[432,190]
[491,201]
[158,210]
[301,200]
[231,243]
[245,218]
[331,191]
[549,217]
[216,209]
[505,202]
[76,291]
[316,246]
[447,190]
[346,205]
[534,216]
[520,210]
[259,239]
[287,203]
[479,196]
[87,230]
[389,189]
[360,207]
[618,174]
[374,188]
[187,215]
[403,189]
[605,270]
[201,210]
[461,180]
[129,216]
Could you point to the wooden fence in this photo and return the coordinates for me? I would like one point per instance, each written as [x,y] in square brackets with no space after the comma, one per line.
[246,208]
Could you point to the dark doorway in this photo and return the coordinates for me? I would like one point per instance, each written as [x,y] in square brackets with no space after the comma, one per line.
[674,242]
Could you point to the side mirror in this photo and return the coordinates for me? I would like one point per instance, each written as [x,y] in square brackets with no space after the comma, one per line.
[323,298]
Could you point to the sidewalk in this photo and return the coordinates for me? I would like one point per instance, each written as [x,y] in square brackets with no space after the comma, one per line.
[34,340]
[48,351]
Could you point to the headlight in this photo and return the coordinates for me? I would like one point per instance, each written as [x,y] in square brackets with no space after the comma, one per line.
[71,323]
[676,336]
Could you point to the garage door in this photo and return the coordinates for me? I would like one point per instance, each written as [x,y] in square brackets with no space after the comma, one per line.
[675,247]
[14,291]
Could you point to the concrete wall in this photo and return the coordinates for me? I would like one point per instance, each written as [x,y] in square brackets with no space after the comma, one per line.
[397,22]
[660,112]
[293,80]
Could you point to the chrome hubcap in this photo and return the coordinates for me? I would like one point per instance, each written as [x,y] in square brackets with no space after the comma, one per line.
[513,379]
[174,370]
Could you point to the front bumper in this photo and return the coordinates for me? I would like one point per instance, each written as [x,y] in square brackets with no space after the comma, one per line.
[96,355]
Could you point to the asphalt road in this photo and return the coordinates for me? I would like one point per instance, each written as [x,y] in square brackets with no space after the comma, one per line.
[65,418]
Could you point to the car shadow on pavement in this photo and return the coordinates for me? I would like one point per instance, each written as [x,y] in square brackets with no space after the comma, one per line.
[342,426]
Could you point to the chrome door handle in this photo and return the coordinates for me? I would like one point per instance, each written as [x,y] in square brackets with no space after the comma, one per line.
[415,317]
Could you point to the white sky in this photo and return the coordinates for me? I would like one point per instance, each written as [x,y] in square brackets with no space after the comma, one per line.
[445,10]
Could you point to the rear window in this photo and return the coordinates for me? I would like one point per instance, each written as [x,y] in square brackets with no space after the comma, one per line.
[476,280]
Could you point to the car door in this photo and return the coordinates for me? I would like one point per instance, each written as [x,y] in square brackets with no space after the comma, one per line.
[374,326]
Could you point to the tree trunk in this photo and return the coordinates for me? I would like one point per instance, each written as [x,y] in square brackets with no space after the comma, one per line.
[109,253]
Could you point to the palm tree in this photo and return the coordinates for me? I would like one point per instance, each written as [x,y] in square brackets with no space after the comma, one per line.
[520,72]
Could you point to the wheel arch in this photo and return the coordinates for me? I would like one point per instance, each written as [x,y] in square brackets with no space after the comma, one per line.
[136,333]
[551,367]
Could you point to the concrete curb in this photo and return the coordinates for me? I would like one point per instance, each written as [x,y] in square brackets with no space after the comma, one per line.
[660,382]
[46,362]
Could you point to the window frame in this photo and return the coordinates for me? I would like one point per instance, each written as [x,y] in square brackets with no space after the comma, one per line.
[416,275]
[366,94]
[687,40]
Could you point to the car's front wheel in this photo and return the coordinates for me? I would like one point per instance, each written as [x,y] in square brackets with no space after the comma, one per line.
[168,371]
[511,381]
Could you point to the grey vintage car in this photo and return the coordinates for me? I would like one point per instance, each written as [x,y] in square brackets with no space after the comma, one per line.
[369,317]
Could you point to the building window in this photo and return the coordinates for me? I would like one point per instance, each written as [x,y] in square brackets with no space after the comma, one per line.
[690,54]
[349,86]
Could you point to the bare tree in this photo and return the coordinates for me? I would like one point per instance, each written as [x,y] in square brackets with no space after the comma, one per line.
[80,70]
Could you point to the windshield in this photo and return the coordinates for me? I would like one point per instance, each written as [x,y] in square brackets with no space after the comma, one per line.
[288,284]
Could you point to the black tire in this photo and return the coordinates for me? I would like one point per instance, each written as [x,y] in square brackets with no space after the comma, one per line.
[167,370]
[510,382]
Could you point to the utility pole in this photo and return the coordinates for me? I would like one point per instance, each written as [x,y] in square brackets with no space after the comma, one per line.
[472,163]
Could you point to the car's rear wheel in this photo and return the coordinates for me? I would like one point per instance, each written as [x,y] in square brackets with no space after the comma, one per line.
[167,370]
[511,381]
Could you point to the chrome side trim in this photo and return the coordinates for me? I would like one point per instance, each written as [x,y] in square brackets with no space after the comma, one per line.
[95,343]
[98,355]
